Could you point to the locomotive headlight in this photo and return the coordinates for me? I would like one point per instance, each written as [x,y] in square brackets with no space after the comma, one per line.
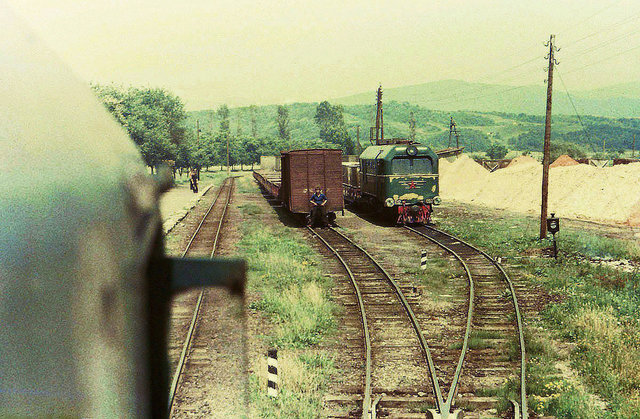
[437,200]
[412,150]
[389,202]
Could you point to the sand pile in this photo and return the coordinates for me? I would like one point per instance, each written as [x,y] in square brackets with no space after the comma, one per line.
[564,160]
[523,160]
[610,194]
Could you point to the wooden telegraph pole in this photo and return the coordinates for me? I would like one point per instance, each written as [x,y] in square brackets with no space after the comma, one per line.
[547,142]
[228,167]
[633,151]
[379,118]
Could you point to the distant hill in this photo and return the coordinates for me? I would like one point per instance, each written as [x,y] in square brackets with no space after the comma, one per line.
[478,130]
[621,100]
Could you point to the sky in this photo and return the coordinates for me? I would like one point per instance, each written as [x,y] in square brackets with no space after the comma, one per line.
[266,52]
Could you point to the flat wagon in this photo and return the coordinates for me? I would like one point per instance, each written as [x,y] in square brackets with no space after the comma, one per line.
[303,171]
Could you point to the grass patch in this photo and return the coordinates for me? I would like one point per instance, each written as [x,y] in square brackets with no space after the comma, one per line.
[286,273]
[478,340]
[205,178]
[591,245]
[293,295]
[597,309]
[250,209]
[303,379]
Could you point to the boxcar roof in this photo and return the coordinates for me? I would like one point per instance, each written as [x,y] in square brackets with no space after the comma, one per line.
[306,150]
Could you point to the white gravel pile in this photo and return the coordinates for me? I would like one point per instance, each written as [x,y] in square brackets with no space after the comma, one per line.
[610,194]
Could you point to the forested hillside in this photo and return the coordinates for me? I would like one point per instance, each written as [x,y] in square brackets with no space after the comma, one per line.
[451,95]
[157,121]
[584,136]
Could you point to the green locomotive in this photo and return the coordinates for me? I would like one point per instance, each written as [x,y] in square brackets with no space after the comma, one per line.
[395,176]
[399,179]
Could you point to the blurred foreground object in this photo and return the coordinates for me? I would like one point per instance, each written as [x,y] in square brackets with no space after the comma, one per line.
[84,283]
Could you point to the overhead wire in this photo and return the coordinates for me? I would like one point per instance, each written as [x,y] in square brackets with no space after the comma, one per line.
[575,109]
[603,30]
[604,44]
[604,59]
[610,5]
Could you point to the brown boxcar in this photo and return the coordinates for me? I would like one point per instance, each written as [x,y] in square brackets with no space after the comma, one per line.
[304,170]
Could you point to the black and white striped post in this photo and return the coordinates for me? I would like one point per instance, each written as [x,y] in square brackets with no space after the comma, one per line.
[423,260]
[272,367]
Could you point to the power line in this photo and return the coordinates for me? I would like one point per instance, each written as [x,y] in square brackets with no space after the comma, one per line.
[604,59]
[605,43]
[574,107]
[461,94]
[467,99]
[594,14]
[603,30]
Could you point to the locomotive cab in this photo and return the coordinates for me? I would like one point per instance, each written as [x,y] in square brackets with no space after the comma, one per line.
[401,180]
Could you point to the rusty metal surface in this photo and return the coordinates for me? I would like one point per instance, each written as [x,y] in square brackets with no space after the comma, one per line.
[351,174]
[270,181]
[303,170]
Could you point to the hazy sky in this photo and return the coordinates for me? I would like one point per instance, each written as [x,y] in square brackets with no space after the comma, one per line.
[242,52]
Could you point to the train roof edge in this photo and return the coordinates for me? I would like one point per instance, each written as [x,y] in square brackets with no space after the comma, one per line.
[389,150]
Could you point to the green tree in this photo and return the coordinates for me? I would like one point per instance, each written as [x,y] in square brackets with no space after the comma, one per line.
[253,110]
[330,120]
[412,126]
[154,119]
[223,114]
[251,151]
[497,151]
[556,149]
[282,119]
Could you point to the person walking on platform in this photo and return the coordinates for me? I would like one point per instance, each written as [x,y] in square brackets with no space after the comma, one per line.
[318,208]
[193,180]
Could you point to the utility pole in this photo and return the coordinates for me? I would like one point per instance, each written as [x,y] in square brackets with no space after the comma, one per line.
[358,146]
[453,129]
[633,150]
[379,118]
[547,142]
[228,167]
[198,143]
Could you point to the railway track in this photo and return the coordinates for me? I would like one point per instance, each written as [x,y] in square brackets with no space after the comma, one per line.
[394,357]
[494,316]
[439,373]
[203,243]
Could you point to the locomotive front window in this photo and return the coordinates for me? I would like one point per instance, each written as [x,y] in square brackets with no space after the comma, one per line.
[409,165]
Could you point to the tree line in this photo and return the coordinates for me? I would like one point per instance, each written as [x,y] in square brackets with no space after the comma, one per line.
[157,122]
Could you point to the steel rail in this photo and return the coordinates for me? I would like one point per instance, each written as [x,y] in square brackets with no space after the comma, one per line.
[196,311]
[412,317]
[366,400]
[465,344]
[524,411]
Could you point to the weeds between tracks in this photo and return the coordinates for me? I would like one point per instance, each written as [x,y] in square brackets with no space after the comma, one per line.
[291,293]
